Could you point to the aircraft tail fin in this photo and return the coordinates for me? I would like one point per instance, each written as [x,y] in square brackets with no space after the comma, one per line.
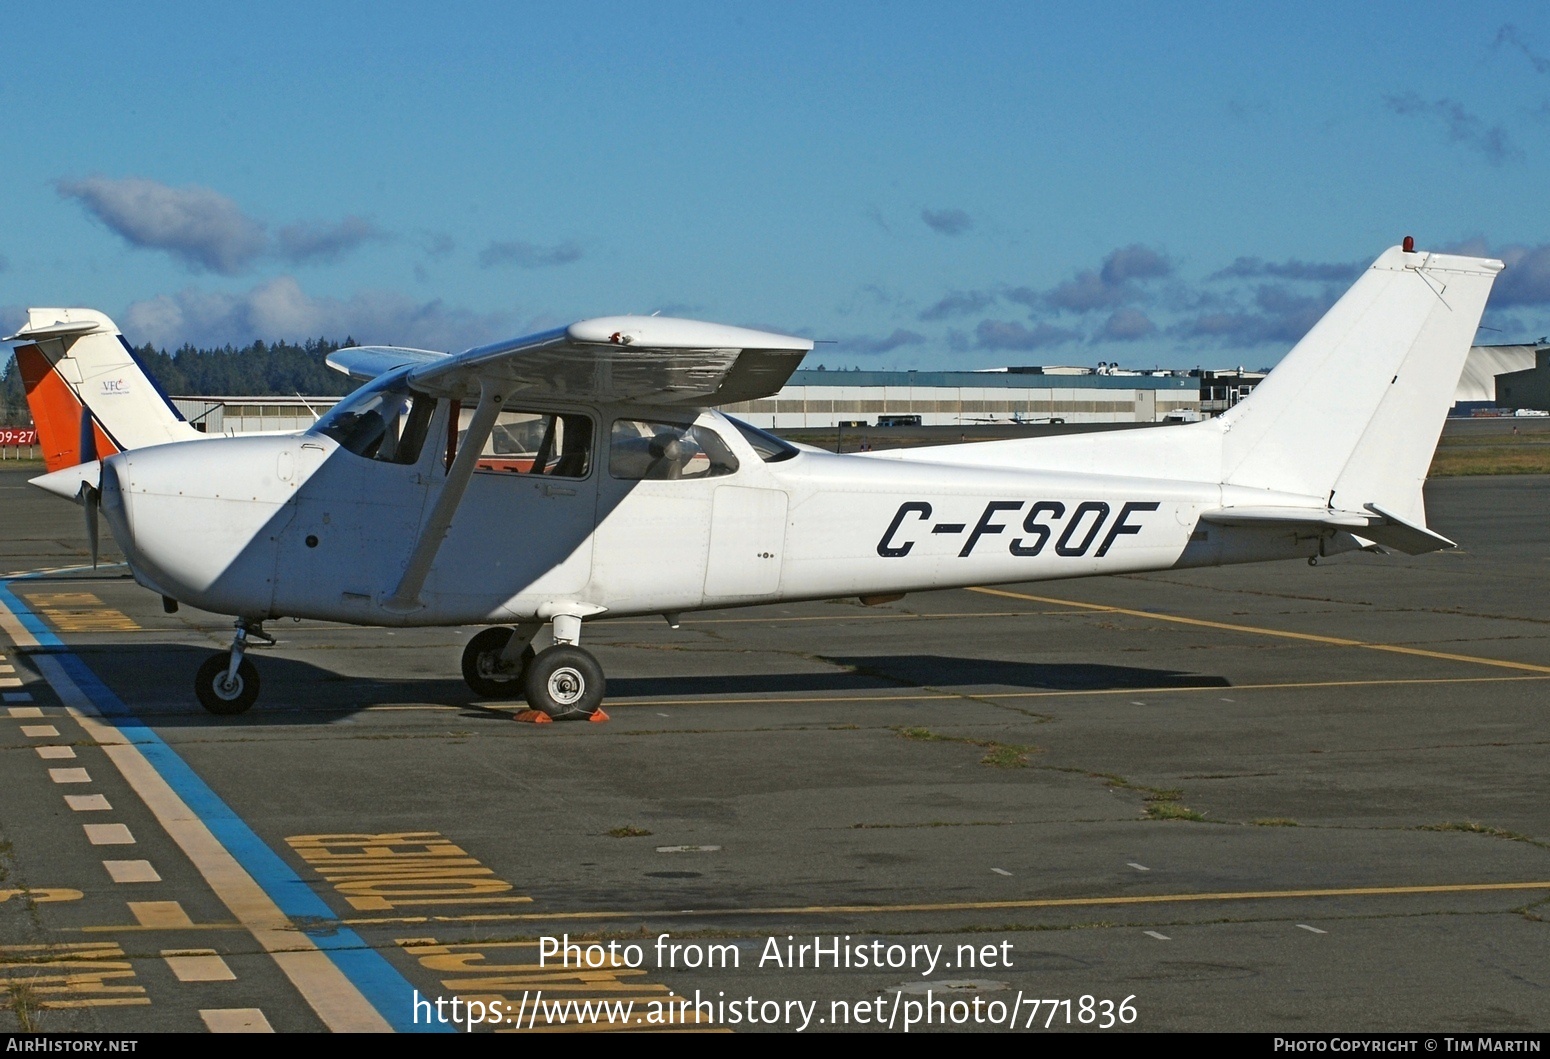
[1354,411]
[89,394]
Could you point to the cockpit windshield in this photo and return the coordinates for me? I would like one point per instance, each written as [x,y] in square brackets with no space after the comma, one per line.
[385,421]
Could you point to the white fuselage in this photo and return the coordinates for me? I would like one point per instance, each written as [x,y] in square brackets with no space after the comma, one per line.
[298,526]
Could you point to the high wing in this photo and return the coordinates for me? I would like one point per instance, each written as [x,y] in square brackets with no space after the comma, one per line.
[647,359]
[368,362]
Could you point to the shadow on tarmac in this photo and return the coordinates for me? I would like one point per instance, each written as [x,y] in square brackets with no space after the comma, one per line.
[155,681]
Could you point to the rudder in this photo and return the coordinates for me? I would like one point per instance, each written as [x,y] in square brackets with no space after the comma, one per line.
[1353,413]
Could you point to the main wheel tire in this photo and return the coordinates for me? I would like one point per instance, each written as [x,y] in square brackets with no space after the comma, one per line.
[565,682]
[484,671]
[226,700]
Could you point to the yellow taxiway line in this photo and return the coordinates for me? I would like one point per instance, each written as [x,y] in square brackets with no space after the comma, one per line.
[969,906]
[884,696]
[1333,641]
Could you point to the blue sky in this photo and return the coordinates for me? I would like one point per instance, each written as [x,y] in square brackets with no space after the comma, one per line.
[923,185]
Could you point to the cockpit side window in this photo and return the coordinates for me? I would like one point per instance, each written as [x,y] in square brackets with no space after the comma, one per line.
[645,450]
[557,445]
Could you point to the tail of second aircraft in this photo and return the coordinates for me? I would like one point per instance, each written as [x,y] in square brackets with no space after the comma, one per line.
[90,396]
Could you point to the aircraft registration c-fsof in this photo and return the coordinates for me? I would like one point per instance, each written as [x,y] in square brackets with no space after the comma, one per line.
[1088,520]
[584,473]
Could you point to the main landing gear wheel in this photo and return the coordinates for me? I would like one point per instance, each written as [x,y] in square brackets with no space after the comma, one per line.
[221,697]
[564,682]
[486,673]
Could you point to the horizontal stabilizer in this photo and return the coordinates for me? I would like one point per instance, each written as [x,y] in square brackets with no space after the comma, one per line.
[57,329]
[1407,537]
[1374,524]
[1259,516]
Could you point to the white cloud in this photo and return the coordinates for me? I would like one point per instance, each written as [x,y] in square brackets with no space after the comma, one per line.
[947,222]
[322,241]
[887,344]
[528,255]
[1011,335]
[958,303]
[203,229]
[280,310]
[1126,325]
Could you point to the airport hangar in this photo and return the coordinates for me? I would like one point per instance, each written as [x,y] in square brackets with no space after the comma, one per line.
[1041,394]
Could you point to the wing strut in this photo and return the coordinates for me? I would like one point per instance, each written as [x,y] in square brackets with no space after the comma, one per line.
[406,597]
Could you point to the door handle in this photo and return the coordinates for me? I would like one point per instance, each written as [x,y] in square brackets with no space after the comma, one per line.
[557,490]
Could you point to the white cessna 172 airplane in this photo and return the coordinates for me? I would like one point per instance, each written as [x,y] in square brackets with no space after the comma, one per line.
[583,473]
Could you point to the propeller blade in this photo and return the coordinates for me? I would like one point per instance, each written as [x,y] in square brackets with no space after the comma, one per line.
[89,496]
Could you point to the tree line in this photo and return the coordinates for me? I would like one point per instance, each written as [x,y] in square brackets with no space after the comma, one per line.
[280,369]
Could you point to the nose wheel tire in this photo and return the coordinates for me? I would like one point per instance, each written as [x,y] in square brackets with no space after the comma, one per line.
[216,694]
[565,682]
[486,673]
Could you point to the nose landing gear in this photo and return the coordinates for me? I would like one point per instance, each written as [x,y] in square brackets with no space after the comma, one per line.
[565,682]
[227,684]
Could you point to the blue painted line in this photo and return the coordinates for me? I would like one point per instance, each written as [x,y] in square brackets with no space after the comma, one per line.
[379,981]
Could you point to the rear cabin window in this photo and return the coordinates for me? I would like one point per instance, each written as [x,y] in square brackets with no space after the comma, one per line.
[770,448]
[645,450]
[557,445]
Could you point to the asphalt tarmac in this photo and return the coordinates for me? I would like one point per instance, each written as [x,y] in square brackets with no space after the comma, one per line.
[1273,797]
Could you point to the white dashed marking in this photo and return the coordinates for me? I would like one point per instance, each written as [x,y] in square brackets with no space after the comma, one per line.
[127,871]
[1315,930]
[235,1020]
[55,753]
[1137,867]
[23,711]
[69,776]
[85,803]
[1154,934]
[108,835]
[162,915]
[197,965]
[39,731]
